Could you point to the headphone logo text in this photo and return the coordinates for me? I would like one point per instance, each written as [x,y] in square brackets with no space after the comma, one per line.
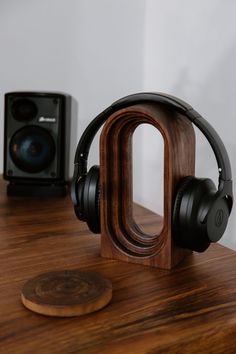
[219,217]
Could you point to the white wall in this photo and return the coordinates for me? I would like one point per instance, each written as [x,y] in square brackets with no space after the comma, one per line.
[190,52]
[90,49]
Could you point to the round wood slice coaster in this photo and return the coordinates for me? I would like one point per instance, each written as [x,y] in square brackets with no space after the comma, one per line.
[66,293]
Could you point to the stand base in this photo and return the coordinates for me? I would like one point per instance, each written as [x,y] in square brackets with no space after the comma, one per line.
[36,190]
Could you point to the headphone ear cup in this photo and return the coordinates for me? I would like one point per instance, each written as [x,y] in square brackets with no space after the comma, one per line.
[217,219]
[91,199]
[194,201]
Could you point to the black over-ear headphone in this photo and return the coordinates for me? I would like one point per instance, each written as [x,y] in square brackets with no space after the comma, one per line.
[200,212]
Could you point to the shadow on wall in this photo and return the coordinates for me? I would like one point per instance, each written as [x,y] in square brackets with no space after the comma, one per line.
[215,95]
[229,238]
[73,134]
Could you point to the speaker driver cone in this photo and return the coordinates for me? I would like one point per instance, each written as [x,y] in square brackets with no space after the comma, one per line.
[32,149]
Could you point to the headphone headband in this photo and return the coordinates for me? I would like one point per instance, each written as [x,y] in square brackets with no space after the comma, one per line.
[178,105]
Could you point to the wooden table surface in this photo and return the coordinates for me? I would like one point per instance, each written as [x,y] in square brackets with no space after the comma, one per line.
[191,309]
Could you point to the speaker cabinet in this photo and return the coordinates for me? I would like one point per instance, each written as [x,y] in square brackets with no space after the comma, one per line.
[36,142]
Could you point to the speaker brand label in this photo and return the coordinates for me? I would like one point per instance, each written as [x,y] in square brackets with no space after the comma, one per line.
[47,120]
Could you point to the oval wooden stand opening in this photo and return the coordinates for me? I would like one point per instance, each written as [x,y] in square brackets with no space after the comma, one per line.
[66,293]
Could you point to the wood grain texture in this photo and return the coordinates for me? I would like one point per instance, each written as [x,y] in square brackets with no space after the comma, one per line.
[121,238]
[189,310]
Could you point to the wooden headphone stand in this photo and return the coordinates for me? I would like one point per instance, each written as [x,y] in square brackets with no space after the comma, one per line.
[121,237]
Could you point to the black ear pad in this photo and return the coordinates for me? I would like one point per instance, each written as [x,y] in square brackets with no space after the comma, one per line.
[196,214]
[79,207]
[181,188]
[91,199]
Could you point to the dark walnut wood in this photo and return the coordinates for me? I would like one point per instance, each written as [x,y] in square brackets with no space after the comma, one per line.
[190,309]
[121,238]
[66,293]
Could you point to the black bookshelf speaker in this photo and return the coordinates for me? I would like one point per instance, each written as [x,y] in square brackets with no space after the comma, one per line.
[36,142]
